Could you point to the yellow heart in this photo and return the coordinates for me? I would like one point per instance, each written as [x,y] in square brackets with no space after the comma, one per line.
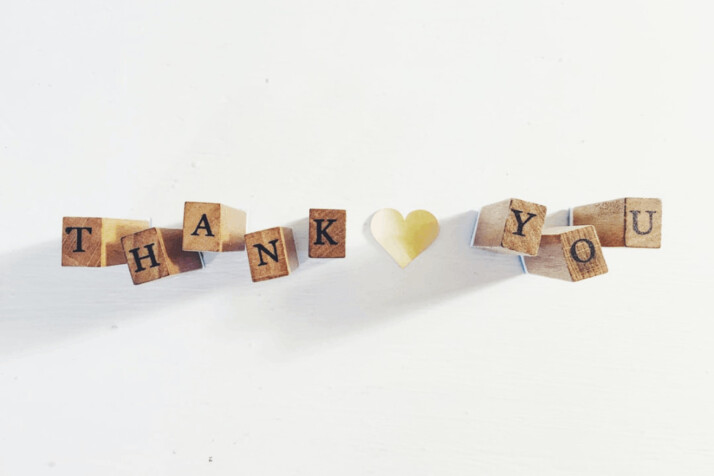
[404,239]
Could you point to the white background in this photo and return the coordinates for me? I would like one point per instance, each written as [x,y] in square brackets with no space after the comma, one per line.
[457,365]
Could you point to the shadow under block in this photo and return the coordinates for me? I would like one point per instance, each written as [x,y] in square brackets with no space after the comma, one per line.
[327,233]
[156,253]
[271,253]
[512,226]
[632,222]
[96,241]
[213,227]
[571,253]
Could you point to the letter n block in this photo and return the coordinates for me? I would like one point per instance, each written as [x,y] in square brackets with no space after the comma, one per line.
[212,227]
[512,226]
[328,233]
[632,222]
[96,241]
[571,253]
[271,253]
[156,253]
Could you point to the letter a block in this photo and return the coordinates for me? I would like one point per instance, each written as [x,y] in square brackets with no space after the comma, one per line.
[632,222]
[212,227]
[96,241]
[271,253]
[328,232]
[156,253]
[571,253]
[512,226]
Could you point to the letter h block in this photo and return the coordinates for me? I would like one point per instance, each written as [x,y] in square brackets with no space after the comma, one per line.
[96,242]
[512,226]
[212,227]
[156,253]
[571,253]
[631,222]
[327,233]
[271,253]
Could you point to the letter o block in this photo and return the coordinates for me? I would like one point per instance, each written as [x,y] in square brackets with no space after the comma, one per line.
[156,253]
[213,227]
[631,222]
[571,253]
[271,253]
[512,226]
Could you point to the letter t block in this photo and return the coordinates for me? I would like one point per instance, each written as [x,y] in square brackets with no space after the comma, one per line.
[571,253]
[271,253]
[156,253]
[212,227]
[328,233]
[96,241]
[512,226]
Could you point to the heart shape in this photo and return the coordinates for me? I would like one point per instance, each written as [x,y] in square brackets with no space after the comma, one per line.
[404,239]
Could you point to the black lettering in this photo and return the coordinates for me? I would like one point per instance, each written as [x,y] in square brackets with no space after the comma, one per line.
[574,251]
[203,225]
[323,231]
[79,229]
[151,256]
[262,249]
[635,221]
[520,221]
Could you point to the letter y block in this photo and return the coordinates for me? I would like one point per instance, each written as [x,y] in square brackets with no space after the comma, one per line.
[156,253]
[512,226]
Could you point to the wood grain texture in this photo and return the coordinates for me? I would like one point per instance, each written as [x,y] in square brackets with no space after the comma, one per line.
[156,253]
[570,253]
[100,241]
[512,226]
[327,233]
[271,253]
[631,222]
[213,227]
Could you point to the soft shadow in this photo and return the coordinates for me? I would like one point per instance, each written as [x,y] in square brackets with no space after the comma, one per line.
[559,218]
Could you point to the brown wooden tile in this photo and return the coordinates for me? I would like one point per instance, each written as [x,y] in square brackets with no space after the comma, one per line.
[96,241]
[213,227]
[511,226]
[327,233]
[631,222]
[271,253]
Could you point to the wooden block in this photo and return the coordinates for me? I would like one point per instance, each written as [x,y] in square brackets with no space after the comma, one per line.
[96,241]
[328,233]
[156,253]
[213,227]
[512,226]
[632,222]
[271,253]
[571,253]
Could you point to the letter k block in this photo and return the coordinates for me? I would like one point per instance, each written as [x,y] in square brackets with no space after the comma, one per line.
[328,233]
[512,226]
[156,253]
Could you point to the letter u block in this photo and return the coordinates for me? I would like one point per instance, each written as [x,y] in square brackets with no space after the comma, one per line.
[156,253]
[571,253]
[512,226]
[631,222]
[96,241]
[213,227]
[271,253]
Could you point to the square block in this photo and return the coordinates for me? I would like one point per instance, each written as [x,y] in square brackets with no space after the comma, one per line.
[631,222]
[571,253]
[156,253]
[96,242]
[213,227]
[271,253]
[327,233]
[512,226]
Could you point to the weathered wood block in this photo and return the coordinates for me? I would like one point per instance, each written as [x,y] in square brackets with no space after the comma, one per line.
[632,222]
[96,241]
[327,233]
[156,253]
[571,253]
[271,253]
[512,226]
[213,227]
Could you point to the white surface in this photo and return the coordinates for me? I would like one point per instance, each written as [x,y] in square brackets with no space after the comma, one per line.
[457,365]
